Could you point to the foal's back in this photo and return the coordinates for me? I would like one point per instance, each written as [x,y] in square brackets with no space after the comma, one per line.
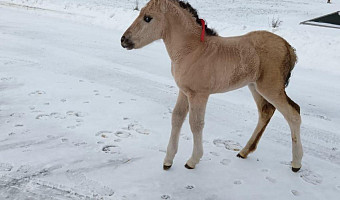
[250,58]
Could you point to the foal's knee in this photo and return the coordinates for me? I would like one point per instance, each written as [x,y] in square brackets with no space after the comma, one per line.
[196,125]
[178,116]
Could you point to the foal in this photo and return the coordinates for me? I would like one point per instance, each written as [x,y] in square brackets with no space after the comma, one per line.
[203,63]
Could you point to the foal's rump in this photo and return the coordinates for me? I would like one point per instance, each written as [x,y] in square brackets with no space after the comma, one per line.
[277,56]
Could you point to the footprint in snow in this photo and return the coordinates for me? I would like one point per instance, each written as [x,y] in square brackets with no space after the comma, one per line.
[270,179]
[74,113]
[104,134]
[79,120]
[295,192]
[228,144]
[5,167]
[189,187]
[57,115]
[79,143]
[214,153]
[37,93]
[205,159]
[123,134]
[64,140]
[162,150]
[138,128]
[143,131]
[225,162]
[42,116]
[285,163]
[6,78]
[113,149]
[18,115]
[96,92]
[184,137]
[323,117]
[54,115]
[51,136]
[338,187]
[264,170]
[165,196]
[237,182]
[310,177]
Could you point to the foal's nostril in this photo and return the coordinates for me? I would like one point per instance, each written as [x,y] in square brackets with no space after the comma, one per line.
[122,39]
[127,43]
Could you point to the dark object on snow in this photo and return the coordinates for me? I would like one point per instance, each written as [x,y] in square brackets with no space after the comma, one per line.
[331,20]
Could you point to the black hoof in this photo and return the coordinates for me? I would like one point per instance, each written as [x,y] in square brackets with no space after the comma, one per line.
[166,167]
[239,155]
[188,167]
[295,169]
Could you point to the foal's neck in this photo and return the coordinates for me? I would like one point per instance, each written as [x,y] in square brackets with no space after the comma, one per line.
[182,34]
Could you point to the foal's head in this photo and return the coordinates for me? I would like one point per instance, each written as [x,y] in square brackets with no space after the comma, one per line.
[148,26]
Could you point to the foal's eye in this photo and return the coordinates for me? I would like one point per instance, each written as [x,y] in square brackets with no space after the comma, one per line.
[147,18]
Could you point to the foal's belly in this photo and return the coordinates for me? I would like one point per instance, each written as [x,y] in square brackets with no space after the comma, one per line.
[232,79]
[213,79]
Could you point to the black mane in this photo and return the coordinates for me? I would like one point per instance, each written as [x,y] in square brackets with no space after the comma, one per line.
[193,11]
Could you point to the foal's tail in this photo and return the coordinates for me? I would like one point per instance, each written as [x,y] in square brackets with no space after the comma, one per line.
[289,63]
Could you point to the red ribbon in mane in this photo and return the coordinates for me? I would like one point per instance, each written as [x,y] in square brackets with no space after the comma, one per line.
[203,30]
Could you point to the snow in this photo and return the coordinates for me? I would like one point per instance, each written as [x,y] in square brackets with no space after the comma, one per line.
[82,118]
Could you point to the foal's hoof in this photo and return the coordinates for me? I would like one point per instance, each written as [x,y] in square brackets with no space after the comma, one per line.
[166,167]
[240,156]
[188,167]
[295,169]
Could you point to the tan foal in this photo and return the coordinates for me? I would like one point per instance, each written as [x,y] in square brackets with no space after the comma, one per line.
[260,60]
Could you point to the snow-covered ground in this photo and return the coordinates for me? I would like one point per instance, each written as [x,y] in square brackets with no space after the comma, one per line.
[82,118]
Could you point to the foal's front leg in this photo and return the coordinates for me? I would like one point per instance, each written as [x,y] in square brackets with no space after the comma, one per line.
[197,106]
[178,116]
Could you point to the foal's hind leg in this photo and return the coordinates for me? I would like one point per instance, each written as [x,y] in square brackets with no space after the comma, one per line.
[178,116]
[291,112]
[265,111]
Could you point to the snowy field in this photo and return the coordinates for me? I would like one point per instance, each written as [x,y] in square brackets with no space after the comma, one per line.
[82,118]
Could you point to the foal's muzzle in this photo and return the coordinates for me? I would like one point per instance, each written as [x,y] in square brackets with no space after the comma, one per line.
[127,43]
